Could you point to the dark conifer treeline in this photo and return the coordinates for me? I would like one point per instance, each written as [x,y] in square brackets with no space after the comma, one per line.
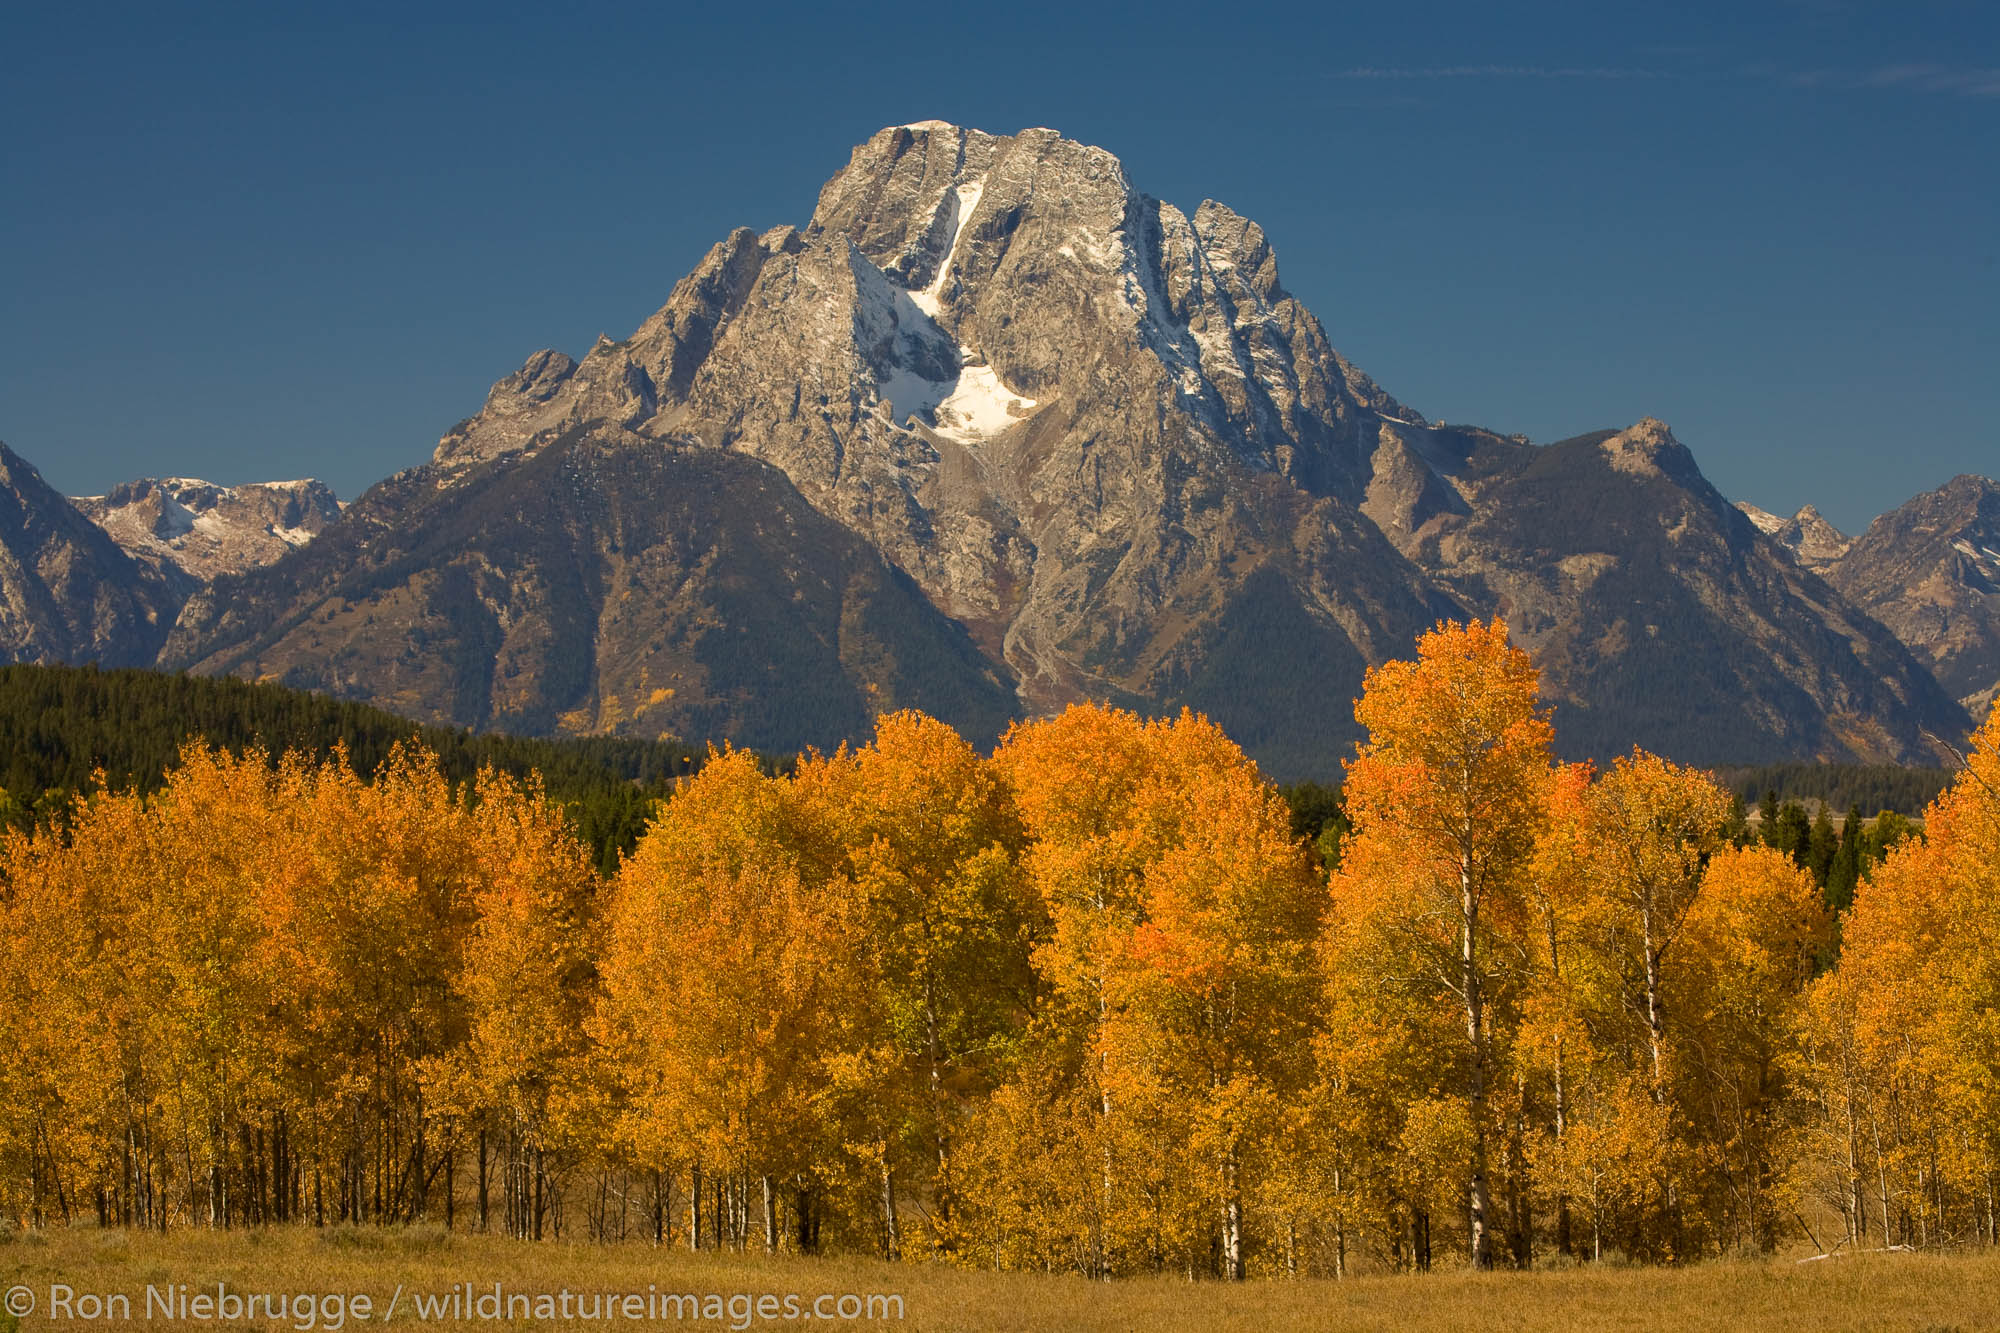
[60,725]
[1906,790]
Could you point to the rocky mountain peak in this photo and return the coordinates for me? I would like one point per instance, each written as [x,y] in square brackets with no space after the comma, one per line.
[994,423]
[1816,542]
[1806,535]
[187,527]
[1930,570]
[1648,448]
[67,592]
[1031,254]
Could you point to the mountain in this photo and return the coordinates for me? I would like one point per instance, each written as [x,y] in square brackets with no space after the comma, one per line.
[995,431]
[598,584]
[67,592]
[1930,571]
[1814,543]
[1658,613]
[193,531]
[1089,436]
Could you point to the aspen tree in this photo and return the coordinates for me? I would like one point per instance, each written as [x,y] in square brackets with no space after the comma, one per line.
[1446,795]
[931,843]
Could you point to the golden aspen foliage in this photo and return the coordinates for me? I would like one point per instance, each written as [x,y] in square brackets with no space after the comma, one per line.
[734,988]
[1431,914]
[1086,1005]
[70,1048]
[1746,960]
[1078,780]
[1657,823]
[930,844]
[1178,973]
[1209,1016]
[1900,1046]
[525,1087]
[271,955]
[1558,1048]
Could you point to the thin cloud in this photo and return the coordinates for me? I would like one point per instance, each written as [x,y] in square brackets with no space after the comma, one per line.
[1940,79]
[1495,72]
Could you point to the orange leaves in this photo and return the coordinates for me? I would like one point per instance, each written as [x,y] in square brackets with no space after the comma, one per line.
[286,950]
[1573,963]
[1451,737]
[1755,928]
[1904,1036]
[1658,823]
[1446,793]
[1179,960]
[730,979]
[1448,783]
[1083,1004]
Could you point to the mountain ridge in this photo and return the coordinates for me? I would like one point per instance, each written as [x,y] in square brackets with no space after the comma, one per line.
[193,531]
[1007,432]
[1930,570]
[68,592]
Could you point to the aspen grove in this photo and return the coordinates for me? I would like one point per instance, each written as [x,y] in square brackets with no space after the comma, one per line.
[1086,1004]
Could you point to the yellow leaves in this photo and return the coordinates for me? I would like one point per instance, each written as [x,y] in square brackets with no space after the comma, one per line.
[286,941]
[1620,1153]
[730,978]
[1180,960]
[1658,822]
[1078,1003]
[1454,738]
[1905,1030]
[529,975]
[1431,1150]
[1755,929]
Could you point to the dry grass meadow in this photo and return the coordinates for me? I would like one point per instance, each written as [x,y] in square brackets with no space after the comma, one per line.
[1880,1291]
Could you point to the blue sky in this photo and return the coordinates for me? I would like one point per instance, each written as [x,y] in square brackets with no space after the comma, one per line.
[243,243]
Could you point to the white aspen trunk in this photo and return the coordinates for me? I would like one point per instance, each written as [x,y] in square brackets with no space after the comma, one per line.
[941,1197]
[1882,1182]
[1856,1192]
[1339,1229]
[694,1208]
[1099,1259]
[892,1244]
[1232,1221]
[1655,1017]
[1479,1201]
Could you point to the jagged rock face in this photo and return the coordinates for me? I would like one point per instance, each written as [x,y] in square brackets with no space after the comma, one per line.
[1084,437]
[193,531]
[1093,429]
[1930,571]
[1811,540]
[1659,616]
[67,592]
[600,583]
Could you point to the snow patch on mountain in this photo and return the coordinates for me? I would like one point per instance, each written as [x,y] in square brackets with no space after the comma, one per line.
[971,405]
[960,201]
[202,529]
[921,373]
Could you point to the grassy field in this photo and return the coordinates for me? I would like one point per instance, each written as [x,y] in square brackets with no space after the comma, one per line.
[1881,1291]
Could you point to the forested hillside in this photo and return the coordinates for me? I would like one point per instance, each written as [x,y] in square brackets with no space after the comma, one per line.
[1906,789]
[60,726]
